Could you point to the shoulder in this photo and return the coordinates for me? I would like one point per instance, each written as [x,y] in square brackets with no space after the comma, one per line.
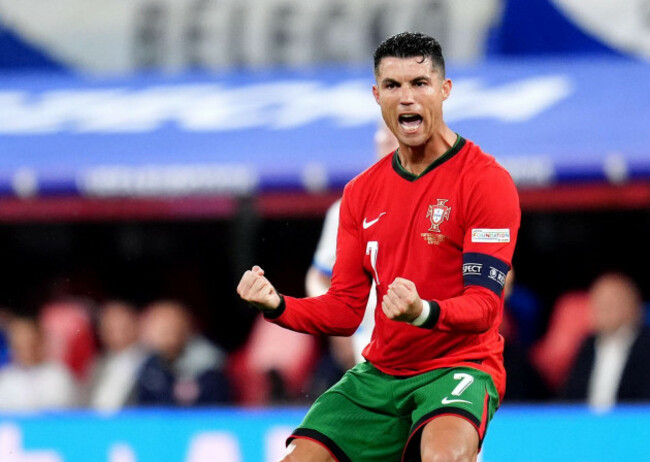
[53,370]
[643,339]
[483,172]
[370,175]
[133,356]
[200,354]
[9,371]
[153,362]
[480,163]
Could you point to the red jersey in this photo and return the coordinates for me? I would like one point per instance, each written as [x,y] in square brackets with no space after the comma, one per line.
[452,231]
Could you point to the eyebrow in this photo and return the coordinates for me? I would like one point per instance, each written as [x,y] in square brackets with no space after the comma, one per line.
[388,80]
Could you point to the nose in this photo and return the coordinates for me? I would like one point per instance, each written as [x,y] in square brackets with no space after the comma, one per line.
[406,95]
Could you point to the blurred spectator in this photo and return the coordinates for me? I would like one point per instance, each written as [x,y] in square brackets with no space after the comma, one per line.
[184,369]
[274,365]
[30,382]
[569,325]
[524,381]
[522,312]
[69,334]
[113,377]
[613,365]
[5,319]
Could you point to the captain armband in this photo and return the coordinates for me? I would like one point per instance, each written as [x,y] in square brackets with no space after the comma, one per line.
[484,270]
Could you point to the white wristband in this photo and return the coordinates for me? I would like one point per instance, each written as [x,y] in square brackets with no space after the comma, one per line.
[426,310]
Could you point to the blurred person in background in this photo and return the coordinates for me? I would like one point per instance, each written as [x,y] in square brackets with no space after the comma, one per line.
[522,314]
[31,382]
[524,381]
[5,319]
[435,225]
[114,374]
[613,364]
[344,352]
[184,368]
[69,332]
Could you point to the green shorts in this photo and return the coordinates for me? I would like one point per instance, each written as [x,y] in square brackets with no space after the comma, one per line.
[369,416]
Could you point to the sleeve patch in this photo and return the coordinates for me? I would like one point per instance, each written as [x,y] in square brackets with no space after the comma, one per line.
[484,270]
[490,235]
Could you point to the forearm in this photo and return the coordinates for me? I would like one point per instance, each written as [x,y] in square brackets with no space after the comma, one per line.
[474,311]
[326,315]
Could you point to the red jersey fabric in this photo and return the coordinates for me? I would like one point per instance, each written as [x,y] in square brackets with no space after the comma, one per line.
[460,214]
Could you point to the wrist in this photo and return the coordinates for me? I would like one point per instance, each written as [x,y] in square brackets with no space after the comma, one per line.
[424,314]
[273,313]
[429,315]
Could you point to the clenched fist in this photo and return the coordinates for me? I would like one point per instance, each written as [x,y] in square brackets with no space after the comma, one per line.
[402,301]
[257,290]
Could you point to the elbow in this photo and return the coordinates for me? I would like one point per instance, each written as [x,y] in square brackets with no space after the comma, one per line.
[342,330]
[349,332]
[350,328]
[491,308]
[475,327]
[354,322]
[476,312]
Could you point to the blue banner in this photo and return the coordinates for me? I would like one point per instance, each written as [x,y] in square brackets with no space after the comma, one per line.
[547,121]
[522,434]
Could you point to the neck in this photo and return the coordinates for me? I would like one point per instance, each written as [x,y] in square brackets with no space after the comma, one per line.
[622,330]
[415,159]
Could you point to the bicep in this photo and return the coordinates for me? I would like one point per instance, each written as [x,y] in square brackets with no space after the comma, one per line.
[493,218]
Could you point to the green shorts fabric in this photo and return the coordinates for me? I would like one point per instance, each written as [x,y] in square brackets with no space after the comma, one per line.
[369,416]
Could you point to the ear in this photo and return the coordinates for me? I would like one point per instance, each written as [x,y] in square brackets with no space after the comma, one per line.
[446,89]
[375,93]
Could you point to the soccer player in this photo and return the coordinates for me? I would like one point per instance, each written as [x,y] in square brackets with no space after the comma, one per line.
[434,225]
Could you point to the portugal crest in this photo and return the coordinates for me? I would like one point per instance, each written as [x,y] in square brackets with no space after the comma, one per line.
[437,214]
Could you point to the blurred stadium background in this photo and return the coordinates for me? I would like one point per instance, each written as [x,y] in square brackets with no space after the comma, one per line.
[154,149]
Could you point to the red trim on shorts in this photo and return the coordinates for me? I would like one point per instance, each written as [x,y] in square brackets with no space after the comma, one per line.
[455,412]
[313,435]
[320,443]
[419,428]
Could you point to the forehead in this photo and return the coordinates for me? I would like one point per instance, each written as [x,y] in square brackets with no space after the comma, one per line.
[395,68]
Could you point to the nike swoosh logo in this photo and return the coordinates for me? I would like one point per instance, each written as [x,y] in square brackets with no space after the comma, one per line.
[446,400]
[368,224]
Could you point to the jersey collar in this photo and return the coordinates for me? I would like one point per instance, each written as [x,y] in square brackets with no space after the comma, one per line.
[451,152]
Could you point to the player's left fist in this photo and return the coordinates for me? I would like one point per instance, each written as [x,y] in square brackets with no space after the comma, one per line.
[402,301]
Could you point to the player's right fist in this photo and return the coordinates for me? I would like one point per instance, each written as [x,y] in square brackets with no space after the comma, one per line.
[257,290]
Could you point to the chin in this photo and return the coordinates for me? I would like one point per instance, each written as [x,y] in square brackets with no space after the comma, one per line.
[413,141]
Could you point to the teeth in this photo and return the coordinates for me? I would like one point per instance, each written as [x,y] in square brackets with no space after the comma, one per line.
[410,122]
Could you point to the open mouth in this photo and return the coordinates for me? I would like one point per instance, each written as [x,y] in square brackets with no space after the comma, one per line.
[410,122]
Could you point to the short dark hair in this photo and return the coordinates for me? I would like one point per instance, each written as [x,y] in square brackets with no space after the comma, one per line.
[410,45]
